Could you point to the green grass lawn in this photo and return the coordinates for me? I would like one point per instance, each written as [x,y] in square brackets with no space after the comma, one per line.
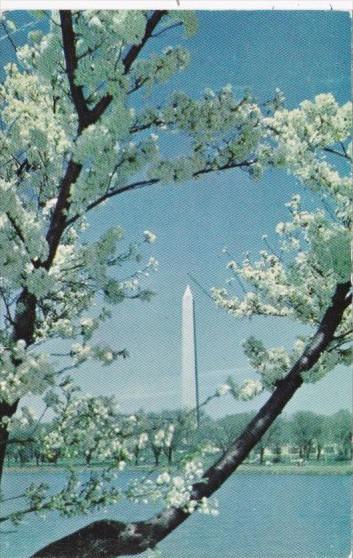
[309,468]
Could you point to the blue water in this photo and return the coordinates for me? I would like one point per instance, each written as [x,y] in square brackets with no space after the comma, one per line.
[261,516]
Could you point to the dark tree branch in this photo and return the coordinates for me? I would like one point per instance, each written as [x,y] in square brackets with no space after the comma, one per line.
[168,28]
[139,83]
[342,153]
[143,183]
[7,305]
[71,60]
[17,230]
[23,328]
[109,538]
[6,410]
[25,166]
[135,50]
[24,317]
[129,59]
[23,441]
[57,224]
[9,38]
[86,117]
[114,192]
[343,336]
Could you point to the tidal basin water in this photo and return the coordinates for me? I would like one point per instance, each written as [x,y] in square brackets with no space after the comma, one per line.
[261,516]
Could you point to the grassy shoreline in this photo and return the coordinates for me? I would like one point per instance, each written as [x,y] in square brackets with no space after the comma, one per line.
[247,469]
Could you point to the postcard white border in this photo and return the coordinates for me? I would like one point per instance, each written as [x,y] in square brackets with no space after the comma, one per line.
[336,5]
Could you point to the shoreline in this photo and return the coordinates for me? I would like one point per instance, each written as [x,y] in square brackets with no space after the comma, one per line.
[246,469]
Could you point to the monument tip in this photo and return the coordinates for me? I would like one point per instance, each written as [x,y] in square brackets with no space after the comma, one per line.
[188,291]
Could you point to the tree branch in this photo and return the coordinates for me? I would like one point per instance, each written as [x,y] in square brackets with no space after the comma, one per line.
[57,224]
[86,117]
[112,193]
[109,538]
[8,315]
[71,60]
[129,59]
[8,35]
[338,153]
[165,29]
[143,183]
[17,230]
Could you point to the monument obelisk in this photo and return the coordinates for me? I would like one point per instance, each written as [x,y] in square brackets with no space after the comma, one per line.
[189,373]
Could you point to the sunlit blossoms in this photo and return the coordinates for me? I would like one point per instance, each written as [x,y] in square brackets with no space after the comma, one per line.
[307,137]
[297,278]
[174,490]
[92,426]
[22,372]
[149,236]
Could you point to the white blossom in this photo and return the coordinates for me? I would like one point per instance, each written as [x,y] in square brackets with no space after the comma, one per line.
[149,236]
[223,389]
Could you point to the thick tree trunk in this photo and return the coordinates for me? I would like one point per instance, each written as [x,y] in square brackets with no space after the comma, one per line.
[5,411]
[4,436]
[110,539]
[23,329]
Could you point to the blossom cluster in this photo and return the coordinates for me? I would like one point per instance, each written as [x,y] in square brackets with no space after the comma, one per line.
[23,372]
[297,279]
[78,496]
[174,490]
[307,138]
[92,426]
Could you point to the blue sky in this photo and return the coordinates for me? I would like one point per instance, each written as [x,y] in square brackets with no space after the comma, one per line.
[302,53]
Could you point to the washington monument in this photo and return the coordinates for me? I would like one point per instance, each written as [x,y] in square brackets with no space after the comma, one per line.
[189,373]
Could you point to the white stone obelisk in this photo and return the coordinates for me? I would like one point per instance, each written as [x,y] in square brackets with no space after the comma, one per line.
[189,374]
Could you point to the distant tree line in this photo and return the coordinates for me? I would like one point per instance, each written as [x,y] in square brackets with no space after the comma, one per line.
[167,437]
[305,435]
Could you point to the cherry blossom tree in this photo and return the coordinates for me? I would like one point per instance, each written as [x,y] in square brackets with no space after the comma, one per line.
[339,428]
[72,137]
[306,431]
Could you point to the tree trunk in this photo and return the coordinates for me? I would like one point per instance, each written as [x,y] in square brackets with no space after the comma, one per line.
[156,454]
[318,452]
[137,453]
[5,411]
[23,329]
[307,451]
[262,454]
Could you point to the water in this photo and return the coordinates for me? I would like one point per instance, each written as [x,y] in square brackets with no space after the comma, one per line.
[261,516]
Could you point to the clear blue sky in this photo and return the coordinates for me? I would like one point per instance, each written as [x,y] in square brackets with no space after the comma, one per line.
[302,53]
